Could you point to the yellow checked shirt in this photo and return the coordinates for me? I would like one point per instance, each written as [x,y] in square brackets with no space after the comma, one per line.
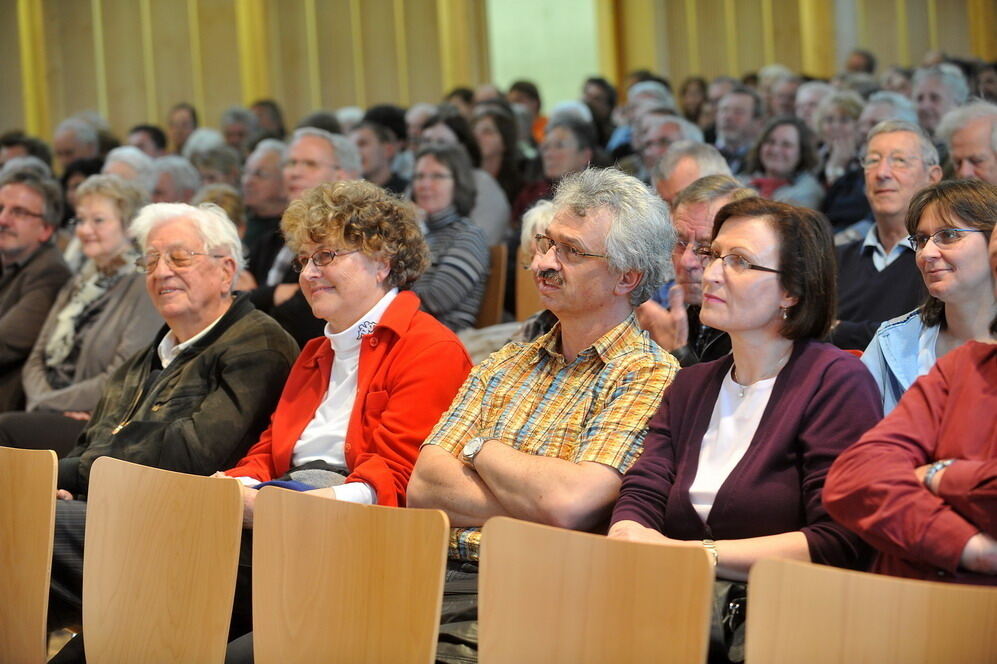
[595,408]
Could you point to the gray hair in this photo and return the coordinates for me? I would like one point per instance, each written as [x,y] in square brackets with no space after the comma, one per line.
[422,108]
[774,72]
[571,109]
[814,86]
[84,131]
[139,162]
[535,221]
[221,158]
[27,163]
[274,145]
[640,236]
[950,76]
[342,147]
[929,153]
[690,132]
[349,117]
[903,108]
[707,158]
[202,139]
[848,101]
[238,115]
[654,90]
[213,225]
[184,175]
[711,188]
[958,118]
[41,184]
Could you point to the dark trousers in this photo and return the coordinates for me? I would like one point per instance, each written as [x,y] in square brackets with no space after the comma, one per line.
[40,430]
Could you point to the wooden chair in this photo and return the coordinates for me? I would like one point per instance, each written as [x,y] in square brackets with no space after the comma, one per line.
[493,302]
[159,570]
[801,612]
[27,517]
[341,582]
[553,595]
[527,295]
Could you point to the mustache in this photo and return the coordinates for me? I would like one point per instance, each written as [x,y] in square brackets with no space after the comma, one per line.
[552,276]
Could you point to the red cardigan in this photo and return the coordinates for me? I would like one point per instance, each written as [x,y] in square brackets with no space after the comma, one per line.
[410,369]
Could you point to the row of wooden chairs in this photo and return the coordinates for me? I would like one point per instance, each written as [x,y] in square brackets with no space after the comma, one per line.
[340,582]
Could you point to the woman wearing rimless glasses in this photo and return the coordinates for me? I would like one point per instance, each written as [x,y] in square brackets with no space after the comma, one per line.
[950,225]
[735,458]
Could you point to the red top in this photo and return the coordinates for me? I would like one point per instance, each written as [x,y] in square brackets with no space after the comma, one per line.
[951,413]
[410,369]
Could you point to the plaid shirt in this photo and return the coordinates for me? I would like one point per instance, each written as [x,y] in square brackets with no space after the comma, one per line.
[595,408]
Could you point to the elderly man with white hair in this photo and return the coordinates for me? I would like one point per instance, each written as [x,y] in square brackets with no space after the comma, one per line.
[196,398]
[970,134]
[75,139]
[130,163]
[313,157]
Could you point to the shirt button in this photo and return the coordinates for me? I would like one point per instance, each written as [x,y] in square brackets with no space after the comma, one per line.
[373,342]
[347,447]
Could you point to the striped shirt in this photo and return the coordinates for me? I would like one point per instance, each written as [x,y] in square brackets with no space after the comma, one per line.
[454,285]
[595,408]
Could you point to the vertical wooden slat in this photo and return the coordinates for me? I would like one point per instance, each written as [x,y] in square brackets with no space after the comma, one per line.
[448,46]
[932,7]
[903,37]
[311,45]
[768,32]
[100,64]
[254,65]
[607,25]
[359,72]
[401,53]
[982,16]
[692,29]
[148,62]
[730,31]
[817,38]
[30,25]
[196,65]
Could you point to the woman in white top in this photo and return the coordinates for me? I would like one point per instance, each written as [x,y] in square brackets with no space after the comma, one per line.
[735,458]
[950,224]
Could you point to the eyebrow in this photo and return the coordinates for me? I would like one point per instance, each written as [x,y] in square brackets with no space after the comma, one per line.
[575,242]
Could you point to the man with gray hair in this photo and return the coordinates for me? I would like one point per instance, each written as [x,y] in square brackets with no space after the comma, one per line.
[544,431]
[239,126]
[885,105]
[877,277]
[970,134]
[196,398]
[75,139]
[31,271]
[937,90]
[313,157]
[685,162]
[263,189]
[176,179]
[130,163]
[658,130]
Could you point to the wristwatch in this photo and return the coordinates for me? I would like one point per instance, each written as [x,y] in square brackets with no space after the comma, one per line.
[471,450]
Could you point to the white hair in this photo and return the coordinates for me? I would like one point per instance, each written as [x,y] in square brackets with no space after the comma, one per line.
[138,161]
[269,145]
[903,108]
[213,225]
[929,153]
[183,173]
[202,139]
[653,90]
[690,132]
[349,117]
[950,76]
[959,117]
[571,109]
[84,132]
[240,115]
[536,220]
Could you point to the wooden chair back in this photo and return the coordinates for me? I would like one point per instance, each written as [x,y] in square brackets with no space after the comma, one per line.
[341,582]
[27,518]
[553,595]
[493,302]
[527,295]
[801,612]
[162,550]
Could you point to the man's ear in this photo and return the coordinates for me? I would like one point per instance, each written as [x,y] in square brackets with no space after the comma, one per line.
[935,174]
[627,281]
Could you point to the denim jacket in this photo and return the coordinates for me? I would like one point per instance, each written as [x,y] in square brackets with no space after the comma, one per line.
[902,349]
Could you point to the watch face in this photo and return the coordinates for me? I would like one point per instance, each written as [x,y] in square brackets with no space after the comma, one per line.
[472,448]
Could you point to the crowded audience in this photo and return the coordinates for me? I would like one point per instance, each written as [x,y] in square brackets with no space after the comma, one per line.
[707,264]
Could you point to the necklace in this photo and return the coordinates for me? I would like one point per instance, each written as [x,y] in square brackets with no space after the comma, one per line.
[743,389]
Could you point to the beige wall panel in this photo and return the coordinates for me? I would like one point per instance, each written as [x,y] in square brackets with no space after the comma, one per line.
[953,29]
[710,20]
[12,99]
[69,42]
[750,42]
[379,58]
[422,43]
[123,65]
[337,54]
[880,31]
[677,40]
[219,58]
[786,25]
[171,51]
[637,23]
[289,59]
[918,29]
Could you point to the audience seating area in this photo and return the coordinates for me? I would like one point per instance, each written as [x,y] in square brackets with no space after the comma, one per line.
[338,593]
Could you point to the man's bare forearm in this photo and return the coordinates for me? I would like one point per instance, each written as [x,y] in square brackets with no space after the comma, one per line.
[440,481]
